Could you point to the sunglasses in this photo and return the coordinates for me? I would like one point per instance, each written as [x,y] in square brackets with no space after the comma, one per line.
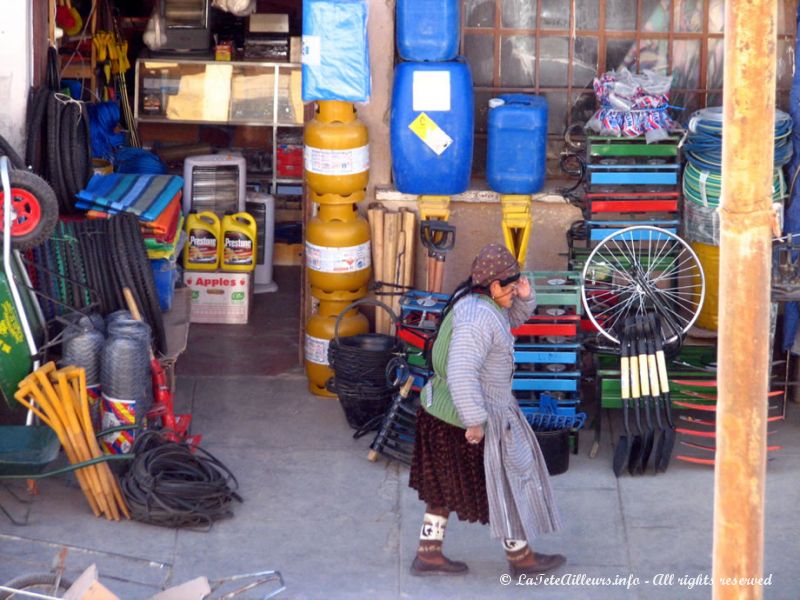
[509,281]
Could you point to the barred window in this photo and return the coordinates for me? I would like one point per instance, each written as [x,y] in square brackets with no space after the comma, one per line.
[556,47]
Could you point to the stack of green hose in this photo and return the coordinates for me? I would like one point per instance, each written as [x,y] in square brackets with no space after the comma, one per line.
[702,177]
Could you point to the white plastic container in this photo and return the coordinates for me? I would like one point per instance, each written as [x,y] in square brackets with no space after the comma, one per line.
[262,207]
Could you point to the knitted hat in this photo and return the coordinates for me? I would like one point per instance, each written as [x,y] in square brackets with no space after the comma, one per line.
[493,262]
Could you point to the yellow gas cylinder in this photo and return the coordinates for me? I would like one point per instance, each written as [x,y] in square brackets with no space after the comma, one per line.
[330,199]
[238,242]
[337,250]
[336,153]
[320,330]
[202,246]
[709,260]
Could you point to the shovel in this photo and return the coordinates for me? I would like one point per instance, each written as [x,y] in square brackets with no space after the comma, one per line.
[662,459]
[655,385]
[622,449]
[438,237]
[655,393]
[648,391]
[638,378]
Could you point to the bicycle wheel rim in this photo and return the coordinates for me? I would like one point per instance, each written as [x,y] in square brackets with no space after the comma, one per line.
[685,311]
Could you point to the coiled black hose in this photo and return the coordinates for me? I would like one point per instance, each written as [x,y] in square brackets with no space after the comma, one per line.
[168,485]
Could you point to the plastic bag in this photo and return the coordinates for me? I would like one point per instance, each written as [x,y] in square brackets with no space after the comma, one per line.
[335,50]
[632,105]
[155,34]
[240,8]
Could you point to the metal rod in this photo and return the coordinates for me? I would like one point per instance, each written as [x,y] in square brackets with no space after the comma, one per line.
[744,297]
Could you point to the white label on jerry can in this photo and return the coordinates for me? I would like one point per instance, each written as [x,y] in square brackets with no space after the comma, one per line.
[430,90]
[317,350]
[336,162]
[346,259]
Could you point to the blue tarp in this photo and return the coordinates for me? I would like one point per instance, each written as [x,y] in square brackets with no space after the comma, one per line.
[335,50]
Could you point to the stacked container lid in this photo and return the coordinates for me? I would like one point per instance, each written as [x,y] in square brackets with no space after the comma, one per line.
[338,255]
[432,101]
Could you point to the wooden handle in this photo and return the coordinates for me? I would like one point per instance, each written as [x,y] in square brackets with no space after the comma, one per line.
[372,456]
[131,302]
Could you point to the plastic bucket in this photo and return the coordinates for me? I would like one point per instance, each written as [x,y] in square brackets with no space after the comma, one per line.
[555,450]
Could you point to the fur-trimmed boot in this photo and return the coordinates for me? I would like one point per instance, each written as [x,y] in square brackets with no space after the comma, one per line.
[522,561]
[429,559]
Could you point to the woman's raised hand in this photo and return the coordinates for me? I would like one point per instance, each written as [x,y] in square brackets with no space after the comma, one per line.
[523,288]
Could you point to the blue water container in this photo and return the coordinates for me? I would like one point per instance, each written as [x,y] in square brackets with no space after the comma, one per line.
[431,127]
[517,149]
[428,29]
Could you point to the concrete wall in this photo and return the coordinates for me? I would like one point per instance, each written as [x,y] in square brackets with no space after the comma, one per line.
[375,113]
[16,67]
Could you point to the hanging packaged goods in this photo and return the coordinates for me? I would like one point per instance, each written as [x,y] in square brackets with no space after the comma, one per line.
[428,29]
[335,50]
[338,249]
[336,150]
[320,330]
[517,146]
[432,127]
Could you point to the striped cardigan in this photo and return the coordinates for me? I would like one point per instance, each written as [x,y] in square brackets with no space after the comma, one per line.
[480,364]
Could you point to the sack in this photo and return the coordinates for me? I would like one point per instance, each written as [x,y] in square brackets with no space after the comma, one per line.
[155,34]
[240,8]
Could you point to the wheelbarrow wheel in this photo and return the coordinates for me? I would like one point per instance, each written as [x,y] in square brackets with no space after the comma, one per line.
[43,583]
[35,209]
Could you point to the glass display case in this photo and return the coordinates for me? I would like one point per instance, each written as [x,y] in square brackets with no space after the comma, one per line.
[200,92]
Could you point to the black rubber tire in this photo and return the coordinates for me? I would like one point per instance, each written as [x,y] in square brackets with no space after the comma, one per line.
[53,151]
[83,167]
[48,208]
[35,582]
[53,70]
[8,150]
[143,273]
[37,108]
[68,132]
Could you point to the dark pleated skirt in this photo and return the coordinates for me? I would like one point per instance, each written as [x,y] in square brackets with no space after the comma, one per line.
[447,471]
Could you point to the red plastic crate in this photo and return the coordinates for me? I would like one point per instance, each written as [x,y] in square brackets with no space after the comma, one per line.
[290,160]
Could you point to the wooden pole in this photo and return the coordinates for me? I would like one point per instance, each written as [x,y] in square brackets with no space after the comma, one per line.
[377,260]
[744,298]
[409,231]
[391,224]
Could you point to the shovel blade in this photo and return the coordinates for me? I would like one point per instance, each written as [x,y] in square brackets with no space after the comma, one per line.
[620,455]
[666,453]
[636,455]
[647,449]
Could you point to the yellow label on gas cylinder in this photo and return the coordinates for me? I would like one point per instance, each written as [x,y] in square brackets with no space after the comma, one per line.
[430,133]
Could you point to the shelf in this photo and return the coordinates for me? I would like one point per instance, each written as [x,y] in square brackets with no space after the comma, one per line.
[195,92]
[150,119]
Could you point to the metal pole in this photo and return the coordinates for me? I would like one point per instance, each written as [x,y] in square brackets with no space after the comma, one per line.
[744,299]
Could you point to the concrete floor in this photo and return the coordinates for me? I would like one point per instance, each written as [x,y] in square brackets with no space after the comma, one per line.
[338,526]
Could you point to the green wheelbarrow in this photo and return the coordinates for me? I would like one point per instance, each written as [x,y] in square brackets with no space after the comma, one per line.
[27,450]
[29,213]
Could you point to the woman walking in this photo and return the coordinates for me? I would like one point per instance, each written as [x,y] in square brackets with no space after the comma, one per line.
[474,453]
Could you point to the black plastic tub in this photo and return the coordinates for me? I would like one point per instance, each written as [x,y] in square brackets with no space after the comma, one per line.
[555,449]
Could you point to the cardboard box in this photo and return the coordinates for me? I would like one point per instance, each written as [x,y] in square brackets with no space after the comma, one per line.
[219,297]
[287,255]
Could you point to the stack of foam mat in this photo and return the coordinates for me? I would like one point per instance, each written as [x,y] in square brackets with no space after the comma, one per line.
[86,264]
